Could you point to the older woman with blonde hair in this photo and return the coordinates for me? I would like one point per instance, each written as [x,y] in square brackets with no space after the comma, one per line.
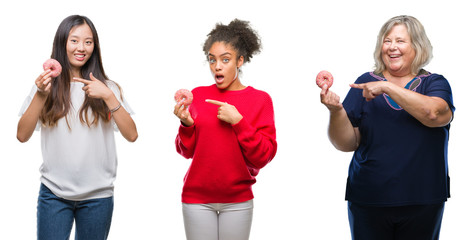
[396,119]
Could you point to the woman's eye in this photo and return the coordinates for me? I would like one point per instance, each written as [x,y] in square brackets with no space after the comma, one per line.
[225,60]
[212,60]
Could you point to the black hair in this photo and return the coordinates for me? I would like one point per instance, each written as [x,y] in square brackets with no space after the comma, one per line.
[58,102]
[239,35]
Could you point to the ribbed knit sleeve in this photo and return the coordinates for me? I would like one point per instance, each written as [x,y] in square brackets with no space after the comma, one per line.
[258,137]
[185,141]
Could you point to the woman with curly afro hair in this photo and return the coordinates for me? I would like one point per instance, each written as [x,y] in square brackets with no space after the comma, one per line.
[229,133]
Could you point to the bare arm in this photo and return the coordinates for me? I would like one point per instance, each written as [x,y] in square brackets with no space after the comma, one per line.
[341,132]
[430,111]
[122,118]
[28,121]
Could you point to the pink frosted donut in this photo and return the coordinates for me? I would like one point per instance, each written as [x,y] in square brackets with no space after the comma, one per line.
[324,77]
[184,94]
[54,66]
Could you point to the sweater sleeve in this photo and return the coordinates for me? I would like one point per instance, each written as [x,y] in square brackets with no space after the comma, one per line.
[257,136]
[185,141]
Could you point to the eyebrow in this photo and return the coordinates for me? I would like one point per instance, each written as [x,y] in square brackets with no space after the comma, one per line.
[226,53]
[75,36]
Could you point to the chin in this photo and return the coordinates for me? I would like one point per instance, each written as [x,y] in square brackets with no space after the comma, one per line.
[221,86]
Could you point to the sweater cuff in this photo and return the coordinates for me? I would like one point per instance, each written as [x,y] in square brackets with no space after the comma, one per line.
[243,126]
[186,131]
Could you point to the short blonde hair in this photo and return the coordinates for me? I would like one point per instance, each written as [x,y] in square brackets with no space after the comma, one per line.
[419,41]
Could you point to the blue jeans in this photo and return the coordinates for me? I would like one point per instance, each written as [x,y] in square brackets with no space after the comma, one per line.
[55,217]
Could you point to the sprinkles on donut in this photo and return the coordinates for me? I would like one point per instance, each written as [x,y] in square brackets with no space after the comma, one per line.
[324,77]
[54,65]
[184,94]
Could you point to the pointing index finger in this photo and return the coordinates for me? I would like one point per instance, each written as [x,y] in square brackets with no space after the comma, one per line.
[354,85]
[81,80]
[215,102]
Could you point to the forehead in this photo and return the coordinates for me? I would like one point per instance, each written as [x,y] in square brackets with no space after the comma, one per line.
[221,48]
[82,30]
[399,30]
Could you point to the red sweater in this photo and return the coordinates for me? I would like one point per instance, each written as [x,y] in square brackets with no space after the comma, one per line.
[226,158]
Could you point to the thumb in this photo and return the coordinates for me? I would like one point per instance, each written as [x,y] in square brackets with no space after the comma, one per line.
[324,89]
[91,76]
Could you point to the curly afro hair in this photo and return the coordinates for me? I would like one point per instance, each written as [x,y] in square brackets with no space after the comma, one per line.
[239,34]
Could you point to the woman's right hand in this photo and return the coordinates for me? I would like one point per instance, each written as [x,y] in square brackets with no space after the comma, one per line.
[341,132]
[29,119]
[183,114]
[43,83]
[330,99]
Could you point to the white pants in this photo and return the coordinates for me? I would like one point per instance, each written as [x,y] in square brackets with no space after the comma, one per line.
[218,221]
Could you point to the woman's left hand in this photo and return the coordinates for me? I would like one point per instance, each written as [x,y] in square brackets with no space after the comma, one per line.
[371,89]
[430,111]
[95,88]
[226,112]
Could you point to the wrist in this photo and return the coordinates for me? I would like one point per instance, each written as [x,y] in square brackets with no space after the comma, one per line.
[108,96]
[387,86]
[42,93]
[110,99]
[337,111]
[187,123]
[237,120]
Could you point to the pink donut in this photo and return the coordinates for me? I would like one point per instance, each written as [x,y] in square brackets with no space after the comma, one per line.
[324,77]
[54,66]
[184,94]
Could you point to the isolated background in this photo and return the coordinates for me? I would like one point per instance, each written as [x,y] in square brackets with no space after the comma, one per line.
[153,48]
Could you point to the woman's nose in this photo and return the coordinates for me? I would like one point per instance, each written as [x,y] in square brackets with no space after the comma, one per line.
[218,65]
[81,47]
[393,46]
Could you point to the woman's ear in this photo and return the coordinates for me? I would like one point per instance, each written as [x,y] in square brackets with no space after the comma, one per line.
[240,61]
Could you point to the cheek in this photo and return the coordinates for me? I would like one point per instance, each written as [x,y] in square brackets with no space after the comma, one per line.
[231,69]
[69,49]
[89,50]
[412,54]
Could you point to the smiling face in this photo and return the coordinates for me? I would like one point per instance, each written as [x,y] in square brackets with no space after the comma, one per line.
[224,64]
[79,47]
[397,51]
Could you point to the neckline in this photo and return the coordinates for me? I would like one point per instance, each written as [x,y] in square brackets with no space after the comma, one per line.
[247,88]
[411,85]
[422,73]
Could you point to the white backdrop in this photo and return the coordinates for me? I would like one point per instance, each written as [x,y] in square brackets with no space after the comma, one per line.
[153,48]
